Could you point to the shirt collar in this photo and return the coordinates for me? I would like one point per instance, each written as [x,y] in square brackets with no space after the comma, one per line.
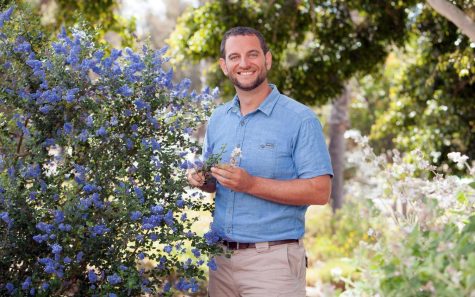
[266,106]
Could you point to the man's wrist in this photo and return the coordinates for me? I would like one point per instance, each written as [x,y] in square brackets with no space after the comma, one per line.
[253,181]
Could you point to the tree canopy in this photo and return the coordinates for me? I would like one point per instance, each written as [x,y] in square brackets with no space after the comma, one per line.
[319,45]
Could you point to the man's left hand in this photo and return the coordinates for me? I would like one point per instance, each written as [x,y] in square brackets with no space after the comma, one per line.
[233,178]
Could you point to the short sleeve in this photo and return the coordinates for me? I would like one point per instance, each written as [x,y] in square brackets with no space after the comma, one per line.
[310,153]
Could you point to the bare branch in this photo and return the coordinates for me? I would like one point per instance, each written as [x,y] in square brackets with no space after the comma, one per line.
[455,15]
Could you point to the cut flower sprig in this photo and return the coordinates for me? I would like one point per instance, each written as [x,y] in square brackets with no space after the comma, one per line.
[215,160]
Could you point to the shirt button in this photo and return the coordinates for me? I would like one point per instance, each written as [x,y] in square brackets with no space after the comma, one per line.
[242,123]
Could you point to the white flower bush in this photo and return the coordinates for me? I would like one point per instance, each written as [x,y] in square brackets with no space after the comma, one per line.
[425,229]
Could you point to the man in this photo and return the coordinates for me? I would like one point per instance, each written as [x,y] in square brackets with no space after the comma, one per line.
[284,167]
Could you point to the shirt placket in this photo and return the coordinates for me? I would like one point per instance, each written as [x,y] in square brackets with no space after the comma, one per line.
[238,142]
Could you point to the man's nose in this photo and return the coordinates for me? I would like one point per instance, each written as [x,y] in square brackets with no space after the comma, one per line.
[243,62]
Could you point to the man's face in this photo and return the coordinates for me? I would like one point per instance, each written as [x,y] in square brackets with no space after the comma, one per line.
[245,64]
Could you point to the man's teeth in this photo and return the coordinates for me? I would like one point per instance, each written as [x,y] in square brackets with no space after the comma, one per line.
[247,73]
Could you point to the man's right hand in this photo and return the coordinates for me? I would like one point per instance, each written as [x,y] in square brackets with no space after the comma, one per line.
[198,180]
[195,178]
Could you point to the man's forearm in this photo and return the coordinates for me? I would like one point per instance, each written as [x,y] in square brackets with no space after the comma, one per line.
[311,191]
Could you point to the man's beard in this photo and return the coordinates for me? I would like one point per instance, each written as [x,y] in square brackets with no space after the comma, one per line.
[259,80]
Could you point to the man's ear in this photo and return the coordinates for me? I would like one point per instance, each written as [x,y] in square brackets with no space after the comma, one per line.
[222,63]
[268,60]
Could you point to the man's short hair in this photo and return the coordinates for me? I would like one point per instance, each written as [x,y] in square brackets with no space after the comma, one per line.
[240,31]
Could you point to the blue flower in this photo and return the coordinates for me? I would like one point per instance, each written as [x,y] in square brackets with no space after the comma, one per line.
[58,216]
[92,276]
[65,227]
[79,256]
[68,128]
[196,252]
[88,188]
[167,287]
[186,165]
[98,55]
[10,288]
[212,264]
[89,121]
[56,248]
[135,215]
[11,172]
[26,284]
[114,279]
[40,238]
[180,203]
[139,194]
[98,230]
[33,171]
[83,136]
[59,48]
[45,227]
[157,178]
[115,54]
[49,142]
[114,121]
[155,144]
[32,195]
[45,108]
[97,201]
[70,95]
[141,256]
[5,217]
[45,286]
[211,237]
[183,217]
[169,220]
[140,104]
[127,112]
[101,132]
[67,260]
[157,209]
[168,249]
[24,47]
[125,91]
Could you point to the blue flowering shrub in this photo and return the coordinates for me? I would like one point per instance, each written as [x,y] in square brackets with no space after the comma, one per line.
[92,158]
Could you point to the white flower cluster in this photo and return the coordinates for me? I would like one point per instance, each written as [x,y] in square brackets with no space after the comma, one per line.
[408,188]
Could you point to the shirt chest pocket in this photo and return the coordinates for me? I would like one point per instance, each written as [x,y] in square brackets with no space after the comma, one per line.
[259,158]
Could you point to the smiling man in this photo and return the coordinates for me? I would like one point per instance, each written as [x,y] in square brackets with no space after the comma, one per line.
[284,167]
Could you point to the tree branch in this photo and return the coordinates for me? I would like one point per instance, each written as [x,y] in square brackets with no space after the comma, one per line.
[455,15]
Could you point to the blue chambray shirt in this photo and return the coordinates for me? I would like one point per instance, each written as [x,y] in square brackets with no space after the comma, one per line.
[280,140]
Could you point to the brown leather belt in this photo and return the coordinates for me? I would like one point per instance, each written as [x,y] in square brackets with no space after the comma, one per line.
[243,245]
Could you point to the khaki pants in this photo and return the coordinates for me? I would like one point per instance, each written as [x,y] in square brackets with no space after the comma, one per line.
[263,271]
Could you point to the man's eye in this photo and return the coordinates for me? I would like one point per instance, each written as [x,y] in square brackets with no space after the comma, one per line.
[233,58]
[253,55]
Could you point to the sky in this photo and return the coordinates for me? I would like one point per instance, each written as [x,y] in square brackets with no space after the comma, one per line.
[139,8]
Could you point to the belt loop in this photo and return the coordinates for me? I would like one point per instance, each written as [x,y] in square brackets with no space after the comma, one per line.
[262,246]
[301,242]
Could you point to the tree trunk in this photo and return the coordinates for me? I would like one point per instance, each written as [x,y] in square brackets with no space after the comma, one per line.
[339,122]
[455,15]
